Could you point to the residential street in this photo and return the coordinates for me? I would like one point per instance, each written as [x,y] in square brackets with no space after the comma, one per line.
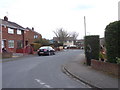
[40,71]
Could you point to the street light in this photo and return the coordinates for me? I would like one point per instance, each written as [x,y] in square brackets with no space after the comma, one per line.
[85,25]
[119,10]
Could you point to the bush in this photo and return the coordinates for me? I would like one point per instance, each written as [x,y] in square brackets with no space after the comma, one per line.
[36,46]
[102,56]
[112,39]
[118,60]
[93,41]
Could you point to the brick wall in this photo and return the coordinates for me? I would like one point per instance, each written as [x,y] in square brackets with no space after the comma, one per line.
[7,55]
[106,67]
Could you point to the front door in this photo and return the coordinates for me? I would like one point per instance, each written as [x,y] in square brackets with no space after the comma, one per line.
[26,43]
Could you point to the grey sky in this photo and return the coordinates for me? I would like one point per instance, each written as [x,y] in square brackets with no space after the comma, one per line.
[48,15]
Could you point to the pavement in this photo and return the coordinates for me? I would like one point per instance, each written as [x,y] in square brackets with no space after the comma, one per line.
[90,76]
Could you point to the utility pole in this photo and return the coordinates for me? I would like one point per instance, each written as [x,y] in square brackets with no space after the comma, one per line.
[85,25]
[119,10]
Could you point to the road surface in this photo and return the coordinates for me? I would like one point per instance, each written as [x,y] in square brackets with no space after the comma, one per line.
[40,71]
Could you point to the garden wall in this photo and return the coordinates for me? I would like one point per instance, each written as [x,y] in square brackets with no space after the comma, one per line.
[7,55]
[106,66]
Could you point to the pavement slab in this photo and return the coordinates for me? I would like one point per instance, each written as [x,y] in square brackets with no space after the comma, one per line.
[91,76]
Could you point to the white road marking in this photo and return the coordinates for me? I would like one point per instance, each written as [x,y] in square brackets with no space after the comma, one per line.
[42,83]
[37,80]
[47,86]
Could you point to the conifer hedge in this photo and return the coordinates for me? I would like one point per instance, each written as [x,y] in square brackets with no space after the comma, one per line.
[93,41]
[112,39]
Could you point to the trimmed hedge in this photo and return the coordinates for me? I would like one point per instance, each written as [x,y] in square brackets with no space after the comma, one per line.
[112,39]
[93,41]
[36,46]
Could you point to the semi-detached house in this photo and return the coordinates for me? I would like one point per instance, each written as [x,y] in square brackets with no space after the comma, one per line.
[15,37]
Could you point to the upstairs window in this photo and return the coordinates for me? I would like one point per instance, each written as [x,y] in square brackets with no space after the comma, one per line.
[10,31]
[35,36]
[19,32]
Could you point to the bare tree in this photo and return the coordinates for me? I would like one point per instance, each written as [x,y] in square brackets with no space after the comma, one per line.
[74,35]
[61,35]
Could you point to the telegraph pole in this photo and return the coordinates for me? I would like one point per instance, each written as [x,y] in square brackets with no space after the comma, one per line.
[85,25]
[118,12]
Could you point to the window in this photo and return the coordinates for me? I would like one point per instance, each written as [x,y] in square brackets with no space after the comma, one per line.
[19,32]
[35,36]
[11,44]
[11,31]
[19,44]
[70,41]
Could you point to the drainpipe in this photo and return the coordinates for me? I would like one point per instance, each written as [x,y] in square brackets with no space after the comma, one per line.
[23,41]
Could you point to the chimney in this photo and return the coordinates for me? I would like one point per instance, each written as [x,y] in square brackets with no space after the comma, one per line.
[33,28]
[6,18]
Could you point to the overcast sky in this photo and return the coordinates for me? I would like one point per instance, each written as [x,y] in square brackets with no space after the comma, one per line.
[47,16]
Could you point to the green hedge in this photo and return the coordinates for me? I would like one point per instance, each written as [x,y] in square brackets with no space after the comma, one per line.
[112,39]
[36,46]
[93,41]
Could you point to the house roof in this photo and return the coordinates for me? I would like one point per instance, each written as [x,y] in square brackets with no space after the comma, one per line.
[67,38]
[32,30]
[12,24]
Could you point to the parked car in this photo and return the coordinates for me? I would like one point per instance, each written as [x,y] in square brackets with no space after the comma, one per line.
[46,50]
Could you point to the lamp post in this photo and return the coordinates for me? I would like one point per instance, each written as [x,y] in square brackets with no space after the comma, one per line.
[119,10]
[85,25]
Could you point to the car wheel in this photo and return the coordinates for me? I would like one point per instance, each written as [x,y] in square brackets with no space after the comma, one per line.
[53,53]
[39,54]
[49,53]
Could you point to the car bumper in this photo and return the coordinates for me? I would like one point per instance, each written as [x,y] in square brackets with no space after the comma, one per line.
[43,53]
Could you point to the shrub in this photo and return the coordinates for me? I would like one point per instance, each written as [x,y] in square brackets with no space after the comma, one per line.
[36,46]
[102,56]
[112,39]
[93,41]
[118,60]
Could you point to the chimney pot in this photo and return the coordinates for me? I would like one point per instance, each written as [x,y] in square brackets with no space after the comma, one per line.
[33,28]
[6,18]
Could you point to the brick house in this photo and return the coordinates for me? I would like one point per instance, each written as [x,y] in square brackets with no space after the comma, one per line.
[31,36]
[12,35]
[15,37]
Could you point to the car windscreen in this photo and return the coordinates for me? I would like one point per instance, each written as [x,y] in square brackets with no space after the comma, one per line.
[44,48]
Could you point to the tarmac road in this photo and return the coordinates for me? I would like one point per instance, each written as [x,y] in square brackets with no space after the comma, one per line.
[40,71]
